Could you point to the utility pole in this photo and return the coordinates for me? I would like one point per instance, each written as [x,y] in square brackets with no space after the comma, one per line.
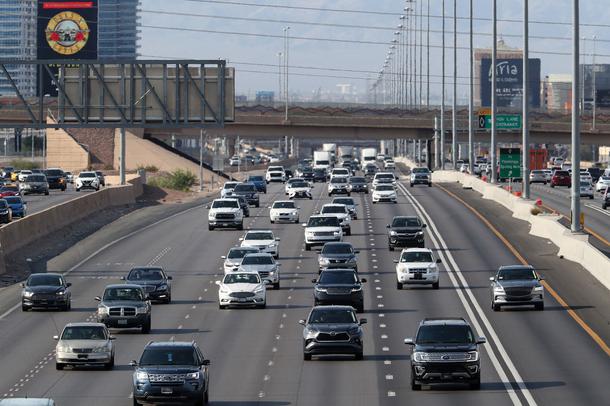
[494,55]
[442,146]
[526,136]
[471,97]
[454,107]
[575,192]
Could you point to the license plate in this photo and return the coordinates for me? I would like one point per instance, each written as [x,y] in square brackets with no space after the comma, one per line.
[225,224]
[82,356]
[122,322]
[418,276]
[242,299]
[167,391]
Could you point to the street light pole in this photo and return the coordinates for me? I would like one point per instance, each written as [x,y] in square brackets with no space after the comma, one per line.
[526,138]
[287,31]
[494,55]
[454,106]
[421,53]
[471,97]
[575,192]
[594,69]
[428,58]
[279,75]
[442,143]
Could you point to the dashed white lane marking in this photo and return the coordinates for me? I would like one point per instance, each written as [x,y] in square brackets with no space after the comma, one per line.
[199,298]
[261,394]
[376,280]
[194,307]
[391,394]
[380,305]
[373,255]
[385,349]
[373,260]
[389,377]
[180,327]
[379,296]
[387,362]
[384,336]
[266,378]
[270,363]
[382,326]
[188,316]
[381,315]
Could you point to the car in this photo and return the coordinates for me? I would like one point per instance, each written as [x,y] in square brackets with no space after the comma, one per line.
[249,192]
[606,199]
[420,176]
[332,330]
[417,266]
[381,157]
[6,214]
[445,350]
[265,265]
[264,240]
[7,171]
[595,173]
[322,229]
[561,178]
[275,174]
[154,282]
[84,344]
[124,306]
[517,285]
[348,165]
[338,255]
[586,189]
[258,181]
[234,161]
[242,288]
[46,290]
[56,179]
[405,231]
[288,173]
[34,184]
[17,205]
[384,178]
[320,175]
[69,177]
[171,372]
[340,172]
[389,165]
[100,176]
[23,174]
[359,185]
[234,257]
[273,159]
[538,176]
[307,174]
[585,176]
[548,174]
[339,287]
[87,180]
[300,189]
[349,203]
[227,189]
[370,170]
[225,213]
[290,182]
[283,210]
[243,203]
[384,193]
[602,184]
[342,213]
[339,185]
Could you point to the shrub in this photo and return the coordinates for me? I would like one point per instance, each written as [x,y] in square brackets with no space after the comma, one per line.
[176,180]
[24,164]
[149,168]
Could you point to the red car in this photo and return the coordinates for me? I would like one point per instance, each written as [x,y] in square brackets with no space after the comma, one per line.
[561,178]
[9,190]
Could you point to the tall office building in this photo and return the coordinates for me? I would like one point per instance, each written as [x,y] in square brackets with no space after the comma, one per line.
[118,29]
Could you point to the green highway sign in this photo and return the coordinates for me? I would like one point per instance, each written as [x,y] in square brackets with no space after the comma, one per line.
[510,163]
[503,121]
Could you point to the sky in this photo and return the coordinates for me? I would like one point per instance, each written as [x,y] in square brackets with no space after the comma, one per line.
[181,38]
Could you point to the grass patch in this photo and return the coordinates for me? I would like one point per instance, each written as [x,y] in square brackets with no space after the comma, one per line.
[177,180]
[149,168]
[24,164]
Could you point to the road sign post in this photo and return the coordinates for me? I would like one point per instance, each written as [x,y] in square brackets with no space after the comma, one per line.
[510,163]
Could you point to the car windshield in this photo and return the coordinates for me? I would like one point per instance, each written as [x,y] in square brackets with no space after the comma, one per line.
[344,201]
[516,274]
[340,172]
[340,179]
[417,256]
[300,184]
[36,178]
[385,176]
[337,249]
[238,253]
[406,222]
[242,278]
[169,356]
[45,280]
[605,178]
[84,333]
[333,209]
[229,185]
[13,200]
[283,205]
[145,275]
[3,204]
[421,170]
[538,172]
[53,172]
[218,204]
[384,187]
[445,334]
[323,222]
[338,277]
[562,173]
[322,162]
[128,294]
[332,316]
[87,175]
[257,260]
[256,179]
[9,189]
[245,188]
[319,171]
[357,180]
[259,235]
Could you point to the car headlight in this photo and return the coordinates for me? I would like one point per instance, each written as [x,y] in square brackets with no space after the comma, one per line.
[419,356]
[498,289]
[141,376]
[211,215]
[393,233]
[104,348]
[102,310]
[357,289]
[27,293]
[324,261]
[163,287]
[192,375]
[224,290]
[420,233]
[354,330]
[336,232]
[259,289]
[141,310]
[63,348]
[539,288]
[311,331]
[472,356]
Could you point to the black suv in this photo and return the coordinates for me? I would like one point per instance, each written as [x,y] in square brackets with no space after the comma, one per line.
[153,280]
[243,203]
[359,184]
[445,350]
[332,330]
[405,231]
[320,175]
[248,191]
[338,255]
[171,372]
[124,306]
[56,179]
[339,287]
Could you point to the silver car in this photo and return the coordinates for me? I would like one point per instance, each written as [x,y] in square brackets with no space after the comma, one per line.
[84,344]
[34,184]
[538,176]
[234,257]
[517,285]
[265,265]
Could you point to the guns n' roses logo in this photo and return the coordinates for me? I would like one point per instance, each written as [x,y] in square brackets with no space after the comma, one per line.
[67,33]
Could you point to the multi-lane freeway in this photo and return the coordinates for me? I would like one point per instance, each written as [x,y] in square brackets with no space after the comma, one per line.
[38,203]
[531,358]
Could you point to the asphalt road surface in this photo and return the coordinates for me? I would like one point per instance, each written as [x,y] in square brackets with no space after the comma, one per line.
[38,203]
[532,358]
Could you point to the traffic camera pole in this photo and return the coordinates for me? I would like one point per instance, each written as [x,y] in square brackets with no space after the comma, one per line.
[442,143]
[575,193]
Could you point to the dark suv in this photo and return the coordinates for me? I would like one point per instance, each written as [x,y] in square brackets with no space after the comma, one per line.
[249,192]
[258,181]
[405,231]
[171,372]
[153,280]
[445,350]
[56,179]
[124,306]
[338,255]
[339,287]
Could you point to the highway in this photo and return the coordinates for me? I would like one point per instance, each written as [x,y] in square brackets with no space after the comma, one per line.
[532,358]
[38,203]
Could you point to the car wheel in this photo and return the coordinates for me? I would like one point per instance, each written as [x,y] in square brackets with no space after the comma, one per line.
[374,202]
[390,247]
[591,197]
[539,306]
[146,327]
[110,364]
[46,193]
[349,231]
[359,356]
[349,194]
[307,247]
[135,402]
[258,204]
[475,384]
[169,299]
[24,308]
[261,306]
[271,221]
[78,189]
[414,384]
[410,185]
[552,185]
[435,285]
[360,308]
[221,307]
[206,397]
[276,285]
[241,226]
[496,307]
[59,366]
[210,228]
[398,285]
[306,357]
[67,306]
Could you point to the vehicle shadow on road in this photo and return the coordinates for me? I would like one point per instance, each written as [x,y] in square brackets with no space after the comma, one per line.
[546,308]
[388,311]
[190,302]
[249,403]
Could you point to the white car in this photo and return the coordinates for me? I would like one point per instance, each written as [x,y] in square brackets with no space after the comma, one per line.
[421,175]
[84,344]
[548,174]
[275,175]
[349,203]
[87,180]
[300,189]
[384,178]
[417,266]
[342,213]
[242,288]
[384,193]
[227,189]
[283,210]
[290,182]
[585,176]
[602,183]
[225,213]
[23,174]
[234,161]
[586,189]
[340,172]
[234,257]
[264,265]
[389,165]
[322,229]
[264,240]
[339,184]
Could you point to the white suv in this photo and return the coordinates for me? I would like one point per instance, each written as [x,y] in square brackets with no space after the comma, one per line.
[87,180]
[322,229]
[264,240]
[342,213]
[421,176]
[275,174]
[225,213]
[339,184]
[417,266]
[384,178]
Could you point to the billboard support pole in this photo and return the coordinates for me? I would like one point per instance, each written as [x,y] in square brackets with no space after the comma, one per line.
[494,54]
[526,136]
[575,193]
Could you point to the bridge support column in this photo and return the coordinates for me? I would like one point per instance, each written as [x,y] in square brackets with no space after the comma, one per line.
[419,158]
[437,160]
[285,145]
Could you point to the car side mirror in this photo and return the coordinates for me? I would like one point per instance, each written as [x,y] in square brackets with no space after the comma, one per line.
[169,278]
[277,238]
[314,280]
[217,282]
[395,261]
[362,321]
[304,224]
[241,238]
[438,261]
[23,285]
[55,337]
[387,226]
[112,338]
[481,340]
[122,278]
[268,207]
[133,363]
[266,282]
[302,322]
[409,341]
[223,257]
[424,225]
[363,280]
[68,284]
[205,362]
[356,251]
[99,299]
[492,278]
[207,207]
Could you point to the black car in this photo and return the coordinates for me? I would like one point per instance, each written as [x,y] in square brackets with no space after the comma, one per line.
[46,290]
[307,174]
[339,287]
[124,306]
[288,173]
[101,177]
[319,175]
[248,191]
[606,199]
[445,350]
[6,215]
[56,179]
[153,280]
[405,231]
[171,372]
[595,173]
[338,255]
[243,203]
[332,330]
[359,184]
